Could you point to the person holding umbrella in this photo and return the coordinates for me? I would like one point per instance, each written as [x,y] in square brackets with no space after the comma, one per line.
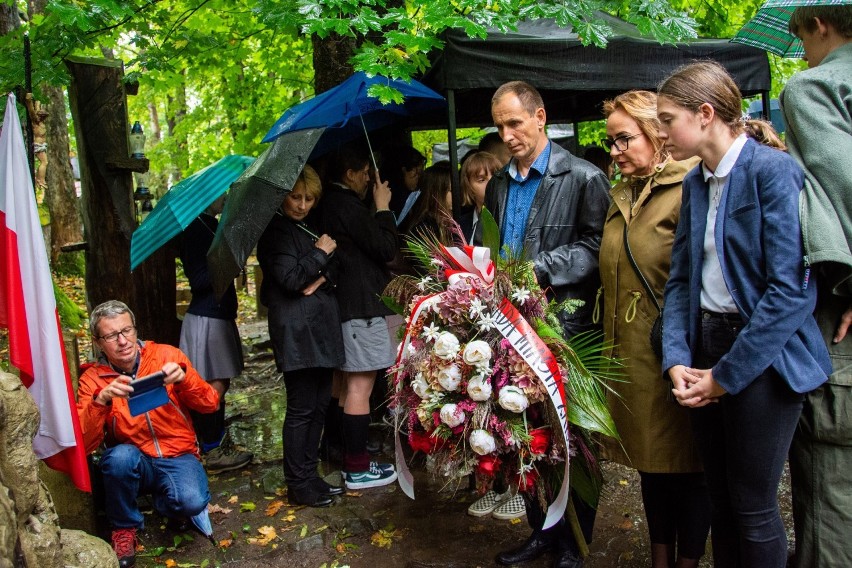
[210,338]
[817,106]
[366,242]
[298,288]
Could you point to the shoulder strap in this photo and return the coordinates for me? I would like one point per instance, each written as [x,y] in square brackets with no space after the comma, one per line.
[639,272]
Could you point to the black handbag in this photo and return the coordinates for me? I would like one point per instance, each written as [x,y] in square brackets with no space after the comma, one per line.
[656,336]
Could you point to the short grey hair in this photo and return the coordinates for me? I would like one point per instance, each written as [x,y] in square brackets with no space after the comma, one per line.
[109,309]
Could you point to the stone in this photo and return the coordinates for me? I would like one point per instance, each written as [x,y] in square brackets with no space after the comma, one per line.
[82,550]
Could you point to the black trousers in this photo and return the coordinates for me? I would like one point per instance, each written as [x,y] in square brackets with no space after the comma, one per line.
[308,395]
[677,509]
[743,441]
[561,534]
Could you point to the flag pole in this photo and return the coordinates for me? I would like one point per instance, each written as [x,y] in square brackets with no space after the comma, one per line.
[28,87]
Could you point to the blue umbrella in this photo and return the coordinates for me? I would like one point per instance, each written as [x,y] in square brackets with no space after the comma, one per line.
[182,204]
[347,112]
[201,521]
[304,132]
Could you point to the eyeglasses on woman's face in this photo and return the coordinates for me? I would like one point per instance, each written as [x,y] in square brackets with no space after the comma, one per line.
[621,143]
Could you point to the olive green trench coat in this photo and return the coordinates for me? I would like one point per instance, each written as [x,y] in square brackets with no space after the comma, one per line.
[655,431]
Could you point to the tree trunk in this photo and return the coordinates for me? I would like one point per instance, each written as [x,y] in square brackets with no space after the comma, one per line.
[9,18]
[99,108]
[331,60]
[61,195]
[175,111]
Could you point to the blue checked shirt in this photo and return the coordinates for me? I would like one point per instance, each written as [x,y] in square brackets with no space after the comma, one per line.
[520,198]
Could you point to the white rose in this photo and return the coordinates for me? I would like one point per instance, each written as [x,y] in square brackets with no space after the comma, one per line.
[451,415]
[446,346]
[420,385]
[513,399]
[450,377]
[477,353]
[479,389]
[482,442]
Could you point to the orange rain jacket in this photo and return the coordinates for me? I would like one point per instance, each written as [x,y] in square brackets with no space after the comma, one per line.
[163,432]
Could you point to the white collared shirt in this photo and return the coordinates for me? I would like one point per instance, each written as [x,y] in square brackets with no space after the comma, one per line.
[715,296]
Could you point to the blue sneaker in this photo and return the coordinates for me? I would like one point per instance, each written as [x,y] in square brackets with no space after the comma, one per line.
[386,467]
[373,477]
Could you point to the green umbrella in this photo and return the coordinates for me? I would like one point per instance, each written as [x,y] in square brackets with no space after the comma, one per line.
[769,29]
[182,204]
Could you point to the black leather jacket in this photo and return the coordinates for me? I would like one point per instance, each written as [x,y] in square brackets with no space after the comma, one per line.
[563,231]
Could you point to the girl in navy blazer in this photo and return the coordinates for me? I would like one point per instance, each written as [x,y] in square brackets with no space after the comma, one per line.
[740,343]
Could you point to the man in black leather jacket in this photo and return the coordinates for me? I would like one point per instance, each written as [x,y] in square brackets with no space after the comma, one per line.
[551,205]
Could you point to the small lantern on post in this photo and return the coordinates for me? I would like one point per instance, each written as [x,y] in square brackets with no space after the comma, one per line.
[137,141]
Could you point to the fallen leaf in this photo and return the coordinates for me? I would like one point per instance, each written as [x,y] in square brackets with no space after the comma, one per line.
[622,482]
[320,529]
[226,543]
[272,508]
[353,493]
[246,507]
[289,518]
[234,500]
[218,509]
[281,491]
[626,524]
[304,531]
[514,521]
[384,537]
[171,563]
[267,534]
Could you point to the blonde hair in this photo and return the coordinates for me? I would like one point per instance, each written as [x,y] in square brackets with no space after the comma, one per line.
[641,106]
[477,162]
[708,82]
[311,180]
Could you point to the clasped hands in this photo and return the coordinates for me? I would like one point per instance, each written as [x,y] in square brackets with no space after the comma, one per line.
[694,388]
[120,387]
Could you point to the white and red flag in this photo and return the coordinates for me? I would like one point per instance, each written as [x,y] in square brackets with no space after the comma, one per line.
[28,311]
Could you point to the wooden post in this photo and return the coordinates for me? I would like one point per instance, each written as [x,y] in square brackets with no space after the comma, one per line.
[99,108]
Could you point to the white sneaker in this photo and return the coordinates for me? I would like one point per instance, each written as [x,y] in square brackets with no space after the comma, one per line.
[511,509]
[486,504]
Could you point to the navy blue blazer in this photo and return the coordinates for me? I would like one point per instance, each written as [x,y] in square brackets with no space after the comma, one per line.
[759,243]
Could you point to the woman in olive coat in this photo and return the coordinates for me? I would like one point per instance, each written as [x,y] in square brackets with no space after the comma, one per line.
[656,436]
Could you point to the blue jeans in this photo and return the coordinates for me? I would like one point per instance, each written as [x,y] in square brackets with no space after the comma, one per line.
[178,486]
[743,441]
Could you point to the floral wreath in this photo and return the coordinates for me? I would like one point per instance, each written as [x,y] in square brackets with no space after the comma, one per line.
[484,381]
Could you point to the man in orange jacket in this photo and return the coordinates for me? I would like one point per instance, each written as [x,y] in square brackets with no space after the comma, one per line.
[154,452]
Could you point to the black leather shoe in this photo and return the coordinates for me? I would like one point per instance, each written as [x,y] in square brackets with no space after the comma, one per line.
[325,488]
[309,497]
[567,559]
[535,546]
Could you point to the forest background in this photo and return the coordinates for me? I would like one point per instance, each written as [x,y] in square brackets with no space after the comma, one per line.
[214,75]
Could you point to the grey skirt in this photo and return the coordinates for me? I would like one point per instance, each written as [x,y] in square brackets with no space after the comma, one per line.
[213,346]
[367,345]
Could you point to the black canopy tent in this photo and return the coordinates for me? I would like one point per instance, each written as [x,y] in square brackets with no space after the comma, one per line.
[573,79]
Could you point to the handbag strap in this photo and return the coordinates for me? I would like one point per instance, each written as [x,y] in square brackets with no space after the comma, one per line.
[639,272]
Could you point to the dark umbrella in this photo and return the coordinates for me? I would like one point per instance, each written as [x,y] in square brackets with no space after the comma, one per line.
[304,132]
[252,202]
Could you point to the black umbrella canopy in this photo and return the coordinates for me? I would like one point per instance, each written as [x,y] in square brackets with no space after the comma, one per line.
[252,202]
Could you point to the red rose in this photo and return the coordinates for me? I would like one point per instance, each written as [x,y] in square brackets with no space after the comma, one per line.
[423,442]
[488,466]
[540,440]
[526,483]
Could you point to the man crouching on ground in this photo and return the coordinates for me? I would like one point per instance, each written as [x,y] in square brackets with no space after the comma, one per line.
[155,452]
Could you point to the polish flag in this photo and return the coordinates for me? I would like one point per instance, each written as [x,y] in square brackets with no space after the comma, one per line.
[28,311]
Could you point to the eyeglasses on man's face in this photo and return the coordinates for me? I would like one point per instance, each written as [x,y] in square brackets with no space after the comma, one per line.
[128,333]
[621,143]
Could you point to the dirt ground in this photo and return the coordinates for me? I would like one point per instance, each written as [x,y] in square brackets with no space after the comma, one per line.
[255,527]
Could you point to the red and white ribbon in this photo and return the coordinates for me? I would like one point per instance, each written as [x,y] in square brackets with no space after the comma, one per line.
[523,338]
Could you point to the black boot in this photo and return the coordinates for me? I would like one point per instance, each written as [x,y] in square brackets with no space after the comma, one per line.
[534,547]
